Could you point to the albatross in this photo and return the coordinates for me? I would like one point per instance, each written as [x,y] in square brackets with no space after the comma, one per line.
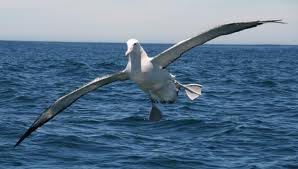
[149,73]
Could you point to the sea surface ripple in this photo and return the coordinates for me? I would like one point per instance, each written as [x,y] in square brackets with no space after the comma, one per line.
[246,117]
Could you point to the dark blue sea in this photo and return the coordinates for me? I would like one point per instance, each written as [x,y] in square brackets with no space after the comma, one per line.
[246,117]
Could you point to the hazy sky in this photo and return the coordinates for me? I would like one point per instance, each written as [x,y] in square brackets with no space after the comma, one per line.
[146,20]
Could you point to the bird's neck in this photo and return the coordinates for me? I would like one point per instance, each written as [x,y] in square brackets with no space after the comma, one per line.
[136,60]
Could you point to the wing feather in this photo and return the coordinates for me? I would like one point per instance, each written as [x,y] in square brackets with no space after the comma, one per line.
[66,100]
[170,55]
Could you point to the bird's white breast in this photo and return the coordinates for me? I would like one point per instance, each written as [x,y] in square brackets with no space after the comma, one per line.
[158,83]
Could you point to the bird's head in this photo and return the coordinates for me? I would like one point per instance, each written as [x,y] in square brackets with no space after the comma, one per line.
[133,47]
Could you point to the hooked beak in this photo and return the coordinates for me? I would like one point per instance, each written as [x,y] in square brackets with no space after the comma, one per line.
[128,52]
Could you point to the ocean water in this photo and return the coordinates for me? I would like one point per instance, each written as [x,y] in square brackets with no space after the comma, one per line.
[247,116]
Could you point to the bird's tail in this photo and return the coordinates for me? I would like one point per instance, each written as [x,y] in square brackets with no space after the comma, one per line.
[192,91]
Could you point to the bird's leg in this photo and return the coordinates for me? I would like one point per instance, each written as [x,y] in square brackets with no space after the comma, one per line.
[155,113]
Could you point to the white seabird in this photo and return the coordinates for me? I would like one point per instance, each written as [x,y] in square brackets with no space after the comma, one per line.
[148,73]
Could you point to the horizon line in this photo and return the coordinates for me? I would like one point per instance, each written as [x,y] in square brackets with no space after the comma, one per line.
[163,43]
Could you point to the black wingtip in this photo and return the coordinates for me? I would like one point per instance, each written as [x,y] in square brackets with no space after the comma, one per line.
[17,144]
[42,119]
[26,134]
[274,21]
[19,141]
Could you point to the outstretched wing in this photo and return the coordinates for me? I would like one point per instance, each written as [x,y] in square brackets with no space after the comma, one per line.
[66,100]
[170,55]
